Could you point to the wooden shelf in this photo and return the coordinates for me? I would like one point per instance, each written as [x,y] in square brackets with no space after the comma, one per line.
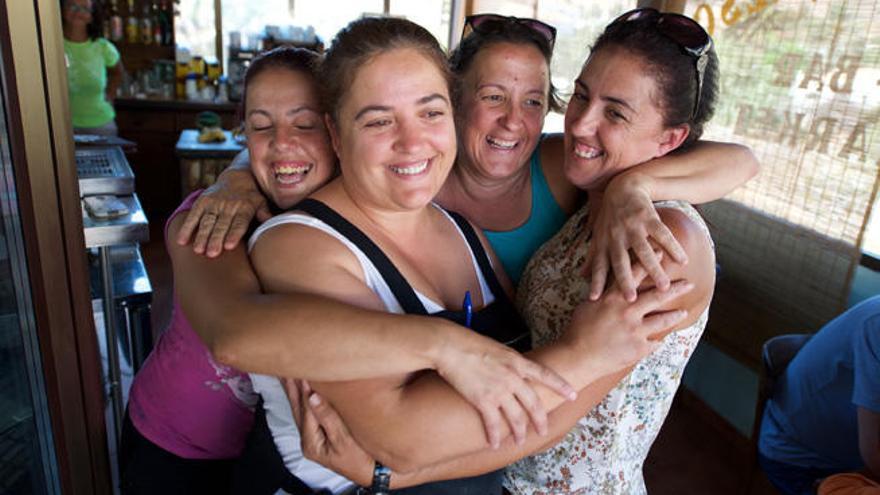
[157,51]
[138,56]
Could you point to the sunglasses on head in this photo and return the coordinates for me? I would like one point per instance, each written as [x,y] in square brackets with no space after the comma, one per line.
[78,8]
[684,31]
[486,22]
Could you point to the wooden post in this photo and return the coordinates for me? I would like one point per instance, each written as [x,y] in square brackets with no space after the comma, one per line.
[460,9]
[218,33]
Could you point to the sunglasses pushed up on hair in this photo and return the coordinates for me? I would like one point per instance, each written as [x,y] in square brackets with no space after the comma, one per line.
[482,23]
[77,8]
[684,31]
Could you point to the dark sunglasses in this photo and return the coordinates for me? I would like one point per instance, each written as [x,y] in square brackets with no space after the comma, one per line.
[684,31]
[78,8]
[486,22]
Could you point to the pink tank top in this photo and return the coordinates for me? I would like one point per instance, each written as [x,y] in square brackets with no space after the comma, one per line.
[184,401]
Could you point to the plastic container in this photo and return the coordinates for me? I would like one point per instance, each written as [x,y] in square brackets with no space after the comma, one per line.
[207,93]
[181,70]
[234,40]
[222,89]
[192,87]
[213,70]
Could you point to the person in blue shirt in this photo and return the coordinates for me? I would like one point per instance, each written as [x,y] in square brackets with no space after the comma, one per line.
[824,416]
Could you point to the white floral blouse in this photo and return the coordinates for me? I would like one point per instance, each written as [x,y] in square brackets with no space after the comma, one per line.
[604,452]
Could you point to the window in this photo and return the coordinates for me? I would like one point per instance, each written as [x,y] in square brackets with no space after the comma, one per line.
[799,86]
[433,15]
[578,24]
[196,29]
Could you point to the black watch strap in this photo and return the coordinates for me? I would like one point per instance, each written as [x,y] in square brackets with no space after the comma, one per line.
[381,479]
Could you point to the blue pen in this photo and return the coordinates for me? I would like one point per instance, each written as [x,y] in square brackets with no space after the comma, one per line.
[468,308]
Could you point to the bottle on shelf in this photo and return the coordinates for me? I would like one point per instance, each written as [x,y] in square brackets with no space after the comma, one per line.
[146,28]
[197,67]
[182,69]
[165,15]
[157,24]
[117,32]
[212,69]
[132,26]
[105,26]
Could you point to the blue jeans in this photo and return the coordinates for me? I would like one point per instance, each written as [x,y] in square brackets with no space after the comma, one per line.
[790,479]
[486,484]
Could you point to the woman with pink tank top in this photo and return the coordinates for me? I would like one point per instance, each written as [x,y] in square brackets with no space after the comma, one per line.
[188,415]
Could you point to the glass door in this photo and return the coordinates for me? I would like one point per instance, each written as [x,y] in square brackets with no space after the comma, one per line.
[27,457]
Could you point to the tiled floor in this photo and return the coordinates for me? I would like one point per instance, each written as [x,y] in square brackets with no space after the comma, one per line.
[689,457]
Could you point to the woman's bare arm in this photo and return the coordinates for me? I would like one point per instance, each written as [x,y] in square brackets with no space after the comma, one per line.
[396,417]
[221,216]
[327,439]
[628,220]
[704,172]
[299,333]
[114,79]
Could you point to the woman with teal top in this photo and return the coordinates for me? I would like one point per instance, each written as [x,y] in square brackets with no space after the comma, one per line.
[516,246]
[508,176]
[94,69]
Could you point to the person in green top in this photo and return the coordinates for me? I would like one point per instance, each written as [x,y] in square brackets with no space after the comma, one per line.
[94,69]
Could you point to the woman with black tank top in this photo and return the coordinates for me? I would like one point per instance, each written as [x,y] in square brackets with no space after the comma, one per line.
[373,238]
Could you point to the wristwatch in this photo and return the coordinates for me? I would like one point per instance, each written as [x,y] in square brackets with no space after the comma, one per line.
[381,479]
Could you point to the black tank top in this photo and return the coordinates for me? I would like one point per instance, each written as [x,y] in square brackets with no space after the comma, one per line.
[261,469]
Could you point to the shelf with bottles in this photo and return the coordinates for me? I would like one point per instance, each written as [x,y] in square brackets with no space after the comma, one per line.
[149,51]
[131,23]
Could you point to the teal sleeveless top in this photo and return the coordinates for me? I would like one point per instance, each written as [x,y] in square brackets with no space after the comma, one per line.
[515,247]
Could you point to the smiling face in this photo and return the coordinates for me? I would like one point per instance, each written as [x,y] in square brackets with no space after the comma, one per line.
[288,144]
[503,104]
[395,134]
[613,121]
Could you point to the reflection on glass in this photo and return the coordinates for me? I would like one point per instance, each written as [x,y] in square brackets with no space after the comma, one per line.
[27,463]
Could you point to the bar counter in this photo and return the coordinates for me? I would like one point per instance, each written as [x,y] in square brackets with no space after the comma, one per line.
[155,125]
[175,104]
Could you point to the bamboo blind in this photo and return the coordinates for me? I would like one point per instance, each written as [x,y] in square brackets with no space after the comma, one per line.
[801,87]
